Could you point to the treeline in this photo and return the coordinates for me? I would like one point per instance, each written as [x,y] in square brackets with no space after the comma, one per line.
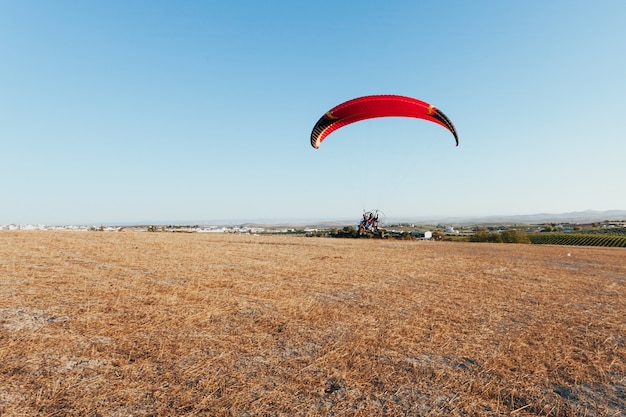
[614,231]
[506,236]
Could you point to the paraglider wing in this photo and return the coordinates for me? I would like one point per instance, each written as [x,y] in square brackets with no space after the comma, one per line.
[370,107]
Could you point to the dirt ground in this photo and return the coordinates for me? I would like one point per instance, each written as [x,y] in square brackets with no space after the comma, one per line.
[180,324]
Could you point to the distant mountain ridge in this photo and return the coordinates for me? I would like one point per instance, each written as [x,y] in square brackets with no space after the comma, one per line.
[586,216]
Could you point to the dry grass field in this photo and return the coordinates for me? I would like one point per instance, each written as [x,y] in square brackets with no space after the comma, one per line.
[173,324]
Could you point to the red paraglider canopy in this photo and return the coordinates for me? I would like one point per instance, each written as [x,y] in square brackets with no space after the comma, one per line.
[370,107]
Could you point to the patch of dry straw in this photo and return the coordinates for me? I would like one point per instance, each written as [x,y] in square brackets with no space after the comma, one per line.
[140,324]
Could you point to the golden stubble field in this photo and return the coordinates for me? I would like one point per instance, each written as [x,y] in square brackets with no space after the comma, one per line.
[173,324]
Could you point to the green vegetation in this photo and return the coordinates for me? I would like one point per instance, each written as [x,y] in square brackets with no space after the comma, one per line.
[597,234]
[347,231]
[578,239]
[506,236]
[614,231]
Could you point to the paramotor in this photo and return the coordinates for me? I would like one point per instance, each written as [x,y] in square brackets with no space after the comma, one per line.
[369,222]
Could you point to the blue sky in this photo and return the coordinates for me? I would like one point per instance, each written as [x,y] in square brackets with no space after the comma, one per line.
[156,111]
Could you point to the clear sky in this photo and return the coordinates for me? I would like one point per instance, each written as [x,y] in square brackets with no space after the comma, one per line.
[155,111]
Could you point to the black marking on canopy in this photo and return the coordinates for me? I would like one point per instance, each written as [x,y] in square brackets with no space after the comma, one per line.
[444,119]
[319,127]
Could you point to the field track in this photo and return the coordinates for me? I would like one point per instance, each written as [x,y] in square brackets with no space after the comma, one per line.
[129,323]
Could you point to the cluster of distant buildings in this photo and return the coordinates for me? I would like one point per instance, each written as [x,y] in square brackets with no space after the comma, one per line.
[150,228]
[43,227]
[218,229]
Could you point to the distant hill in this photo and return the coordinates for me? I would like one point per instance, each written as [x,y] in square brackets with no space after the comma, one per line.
[587,216]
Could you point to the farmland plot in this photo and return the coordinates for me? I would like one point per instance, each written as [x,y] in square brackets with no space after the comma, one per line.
[132,323]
